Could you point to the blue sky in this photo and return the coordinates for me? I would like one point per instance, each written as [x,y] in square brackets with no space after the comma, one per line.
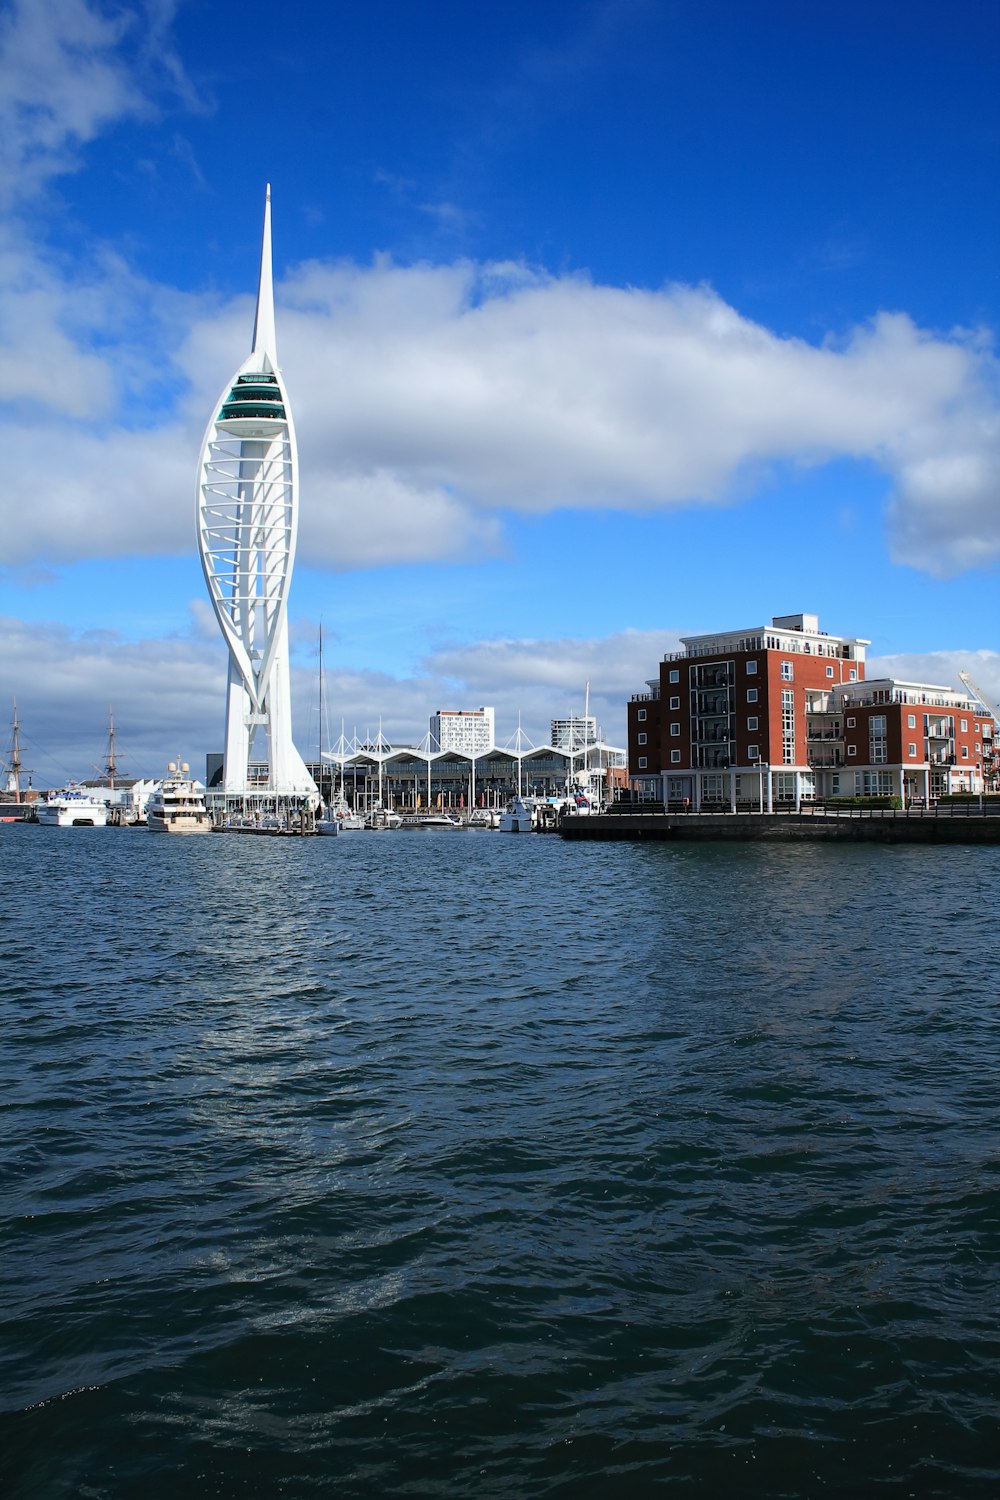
[603,322]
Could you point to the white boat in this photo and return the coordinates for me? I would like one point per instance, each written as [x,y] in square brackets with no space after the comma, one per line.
[349,821]
[383,818]
[428,820]
[177,805]
[519,817]
[484,817]
[72,808]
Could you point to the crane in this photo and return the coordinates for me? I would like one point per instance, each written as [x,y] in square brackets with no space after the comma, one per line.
[977,697]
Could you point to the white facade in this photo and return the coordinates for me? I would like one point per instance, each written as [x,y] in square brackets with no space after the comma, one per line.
[470,730]
[574,733]
[247,527]
[791,633]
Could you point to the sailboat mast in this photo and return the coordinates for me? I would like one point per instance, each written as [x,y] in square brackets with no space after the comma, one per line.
[321,697]
[319,781]
[586,726]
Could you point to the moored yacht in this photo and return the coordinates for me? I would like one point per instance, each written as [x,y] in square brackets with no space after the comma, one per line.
[383,818]
[519,817]
[349,821]
[72,808]
[177,805]
[428,820]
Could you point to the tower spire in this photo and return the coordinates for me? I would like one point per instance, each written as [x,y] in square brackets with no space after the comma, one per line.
[264,340]
[247,525]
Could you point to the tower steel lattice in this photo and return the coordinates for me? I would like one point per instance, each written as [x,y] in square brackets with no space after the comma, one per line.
[247,526]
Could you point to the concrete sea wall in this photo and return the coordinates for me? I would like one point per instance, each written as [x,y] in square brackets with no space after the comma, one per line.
[860,826]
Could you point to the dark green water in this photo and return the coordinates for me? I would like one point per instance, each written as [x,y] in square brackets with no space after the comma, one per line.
[477,1165]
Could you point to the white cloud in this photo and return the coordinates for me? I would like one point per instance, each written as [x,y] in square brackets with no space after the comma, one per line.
[538,680]
[942,668]
[430,400]
[168,695]
[527,392]
[70,69]
[62,81]
[367,516]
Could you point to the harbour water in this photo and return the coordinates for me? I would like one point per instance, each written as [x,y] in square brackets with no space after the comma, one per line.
[468,1165]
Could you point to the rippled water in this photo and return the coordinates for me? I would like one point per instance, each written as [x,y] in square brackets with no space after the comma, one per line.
[462,1164]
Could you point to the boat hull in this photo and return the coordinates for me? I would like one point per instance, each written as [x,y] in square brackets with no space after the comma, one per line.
[419,821]
[72,812]
[177,805]
[179,825]
[518,818]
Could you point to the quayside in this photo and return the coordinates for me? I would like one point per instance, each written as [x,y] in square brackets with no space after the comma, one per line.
[858,825]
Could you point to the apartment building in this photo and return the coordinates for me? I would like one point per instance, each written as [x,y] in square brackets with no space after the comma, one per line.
[783,714]
[471,730]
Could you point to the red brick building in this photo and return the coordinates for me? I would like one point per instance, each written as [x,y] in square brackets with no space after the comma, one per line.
[783,713]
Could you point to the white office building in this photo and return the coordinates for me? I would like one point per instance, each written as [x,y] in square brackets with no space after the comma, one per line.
[469,730]
[575,733]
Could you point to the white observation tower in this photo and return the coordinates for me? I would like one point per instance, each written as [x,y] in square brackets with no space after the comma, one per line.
[248,482]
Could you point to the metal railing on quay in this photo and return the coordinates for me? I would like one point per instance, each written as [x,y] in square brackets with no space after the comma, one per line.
[986,809]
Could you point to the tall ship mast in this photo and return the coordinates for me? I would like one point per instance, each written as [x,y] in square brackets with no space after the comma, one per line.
[15,805]
[14,765]
[111,760]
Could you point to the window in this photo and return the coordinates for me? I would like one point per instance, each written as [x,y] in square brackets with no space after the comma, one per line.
[751,695]
[642,762]
[675,703]
[642,739]
[965,752]
[751,668]
[829,671]
[641,716]
[964,726]
[752,722]
[788,726]
[786,671]
[911,721]
[675,757]
[851,723]
[675,675]
[852,749]
[753,752]
[912,750]
[853,674]
[675,730]
[877,748]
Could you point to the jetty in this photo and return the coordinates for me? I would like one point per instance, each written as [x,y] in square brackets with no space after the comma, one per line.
[947,824]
